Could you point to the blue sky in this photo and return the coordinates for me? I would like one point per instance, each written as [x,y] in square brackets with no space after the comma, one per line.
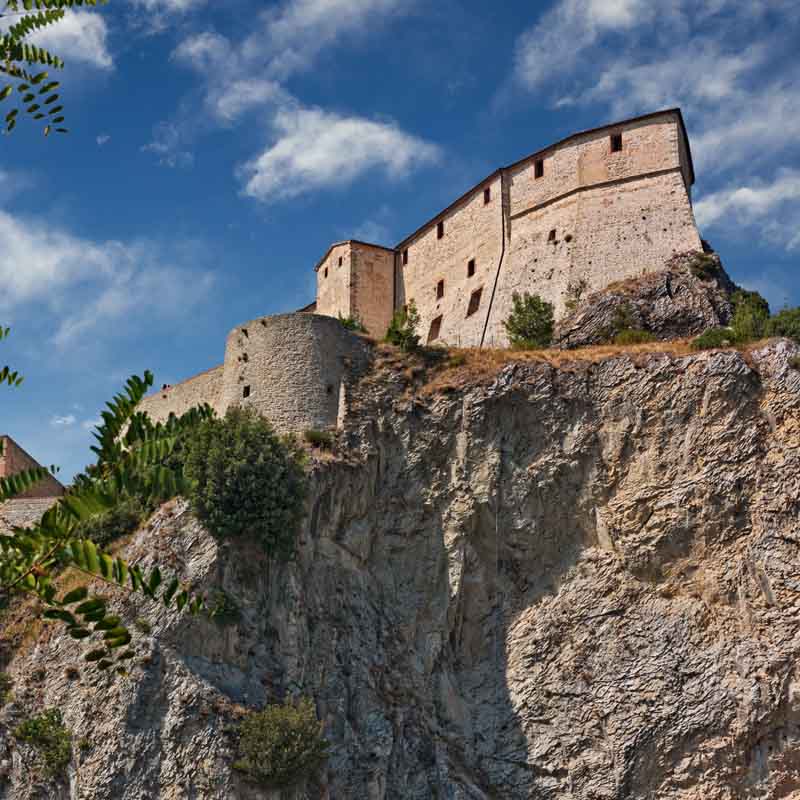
[217,149]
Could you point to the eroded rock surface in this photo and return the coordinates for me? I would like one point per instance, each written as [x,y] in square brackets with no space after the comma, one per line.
[692,293]
[563,583]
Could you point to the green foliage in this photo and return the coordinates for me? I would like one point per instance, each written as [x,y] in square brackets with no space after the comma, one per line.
[794,362]
[46,732]
[133,461]
[225,610]
[530,324]
[37,95]
[633,336]
[282,744]
[6,685]
[124,518]
[704,267]
[575,292]
[321,439]
[785,323]
[403,328]
[352,324]
[713,338]
[750,316]
[245,480]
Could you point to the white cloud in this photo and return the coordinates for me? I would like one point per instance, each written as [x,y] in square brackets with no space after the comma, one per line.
[746,204]
[65,421]
[102,139]
[79,285]
[318,149]
[174,6]
[90,424]
[79,36]
[169,146]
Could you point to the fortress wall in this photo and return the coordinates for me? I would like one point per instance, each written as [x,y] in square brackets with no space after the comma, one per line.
[615,232]
[471,230]
[179,398]
[14,459]
[649,145]
[334,290]
[293,369]
[372,282]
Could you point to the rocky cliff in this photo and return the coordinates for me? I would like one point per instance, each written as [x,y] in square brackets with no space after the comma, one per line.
[575,581]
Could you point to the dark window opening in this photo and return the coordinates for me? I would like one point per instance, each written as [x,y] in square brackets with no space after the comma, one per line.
[246,391]
[474,301]
[538,168]
[329,388]
[440,290]
[440,230]
[470,267]
[405,256]
[552,236]
[487,195]
[616,142]
[326,272]
[435,329]
[244,331]
[340,261]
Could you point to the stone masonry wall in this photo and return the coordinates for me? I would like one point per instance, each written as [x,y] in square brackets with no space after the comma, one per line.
[472,230]
[372,287]
[334,289]
[14,459]
[292,368]
[180,397]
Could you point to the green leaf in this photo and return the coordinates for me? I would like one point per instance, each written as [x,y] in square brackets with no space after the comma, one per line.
[79,633]
[5,92]
[96,655]
[75,596]
[95,604]
[90,552]
[107,623]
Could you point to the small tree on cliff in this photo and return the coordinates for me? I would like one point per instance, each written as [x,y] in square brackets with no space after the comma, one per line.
[403,328]
[530,323]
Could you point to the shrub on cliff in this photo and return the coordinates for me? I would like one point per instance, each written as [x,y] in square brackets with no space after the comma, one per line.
[46,732]
[713,338]
[352,324]
[785,323]
[750,316]
[244,479]
[403,328]
[530,323]
[122,519]
[282,744]
[633,336]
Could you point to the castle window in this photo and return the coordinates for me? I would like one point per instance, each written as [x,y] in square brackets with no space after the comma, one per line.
[440,230]
[474,301]
[487,195]
[552,236]
[246,391]
[538,168]
[340,261]
[616,142]
[326,272]
[440,290]
[470,267]
[405,256]
[435,329]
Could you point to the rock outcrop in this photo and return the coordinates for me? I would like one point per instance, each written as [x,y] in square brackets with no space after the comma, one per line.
[558,583]
[692,293]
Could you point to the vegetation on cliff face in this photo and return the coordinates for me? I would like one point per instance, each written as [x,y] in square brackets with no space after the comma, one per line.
[530,323]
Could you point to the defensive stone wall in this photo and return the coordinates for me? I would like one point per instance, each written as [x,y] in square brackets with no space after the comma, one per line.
[292,368]
[180,397]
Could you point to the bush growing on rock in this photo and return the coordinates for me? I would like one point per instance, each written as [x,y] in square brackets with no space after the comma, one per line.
[633,336]
[713,338]
[46,732]
[121,520]
[750,316]
[245,480]
[282,744]
[530,323]
[403,328]
[352,324]
[785,323]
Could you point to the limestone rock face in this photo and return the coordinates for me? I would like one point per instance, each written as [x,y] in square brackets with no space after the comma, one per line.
[574,583]
[692,293]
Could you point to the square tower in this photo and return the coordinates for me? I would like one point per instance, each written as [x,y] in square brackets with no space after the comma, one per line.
[356,279]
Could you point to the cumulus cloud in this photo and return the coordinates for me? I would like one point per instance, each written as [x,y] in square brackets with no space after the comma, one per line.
[65,421]
[169,145]
[113,281]
[318,149]
[80,36]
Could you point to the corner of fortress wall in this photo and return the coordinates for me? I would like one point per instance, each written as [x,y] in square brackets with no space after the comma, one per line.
[293,369]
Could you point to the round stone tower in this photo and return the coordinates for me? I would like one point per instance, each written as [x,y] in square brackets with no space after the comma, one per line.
[291,368]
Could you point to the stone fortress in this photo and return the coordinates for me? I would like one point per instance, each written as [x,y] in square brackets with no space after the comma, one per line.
[600,206]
